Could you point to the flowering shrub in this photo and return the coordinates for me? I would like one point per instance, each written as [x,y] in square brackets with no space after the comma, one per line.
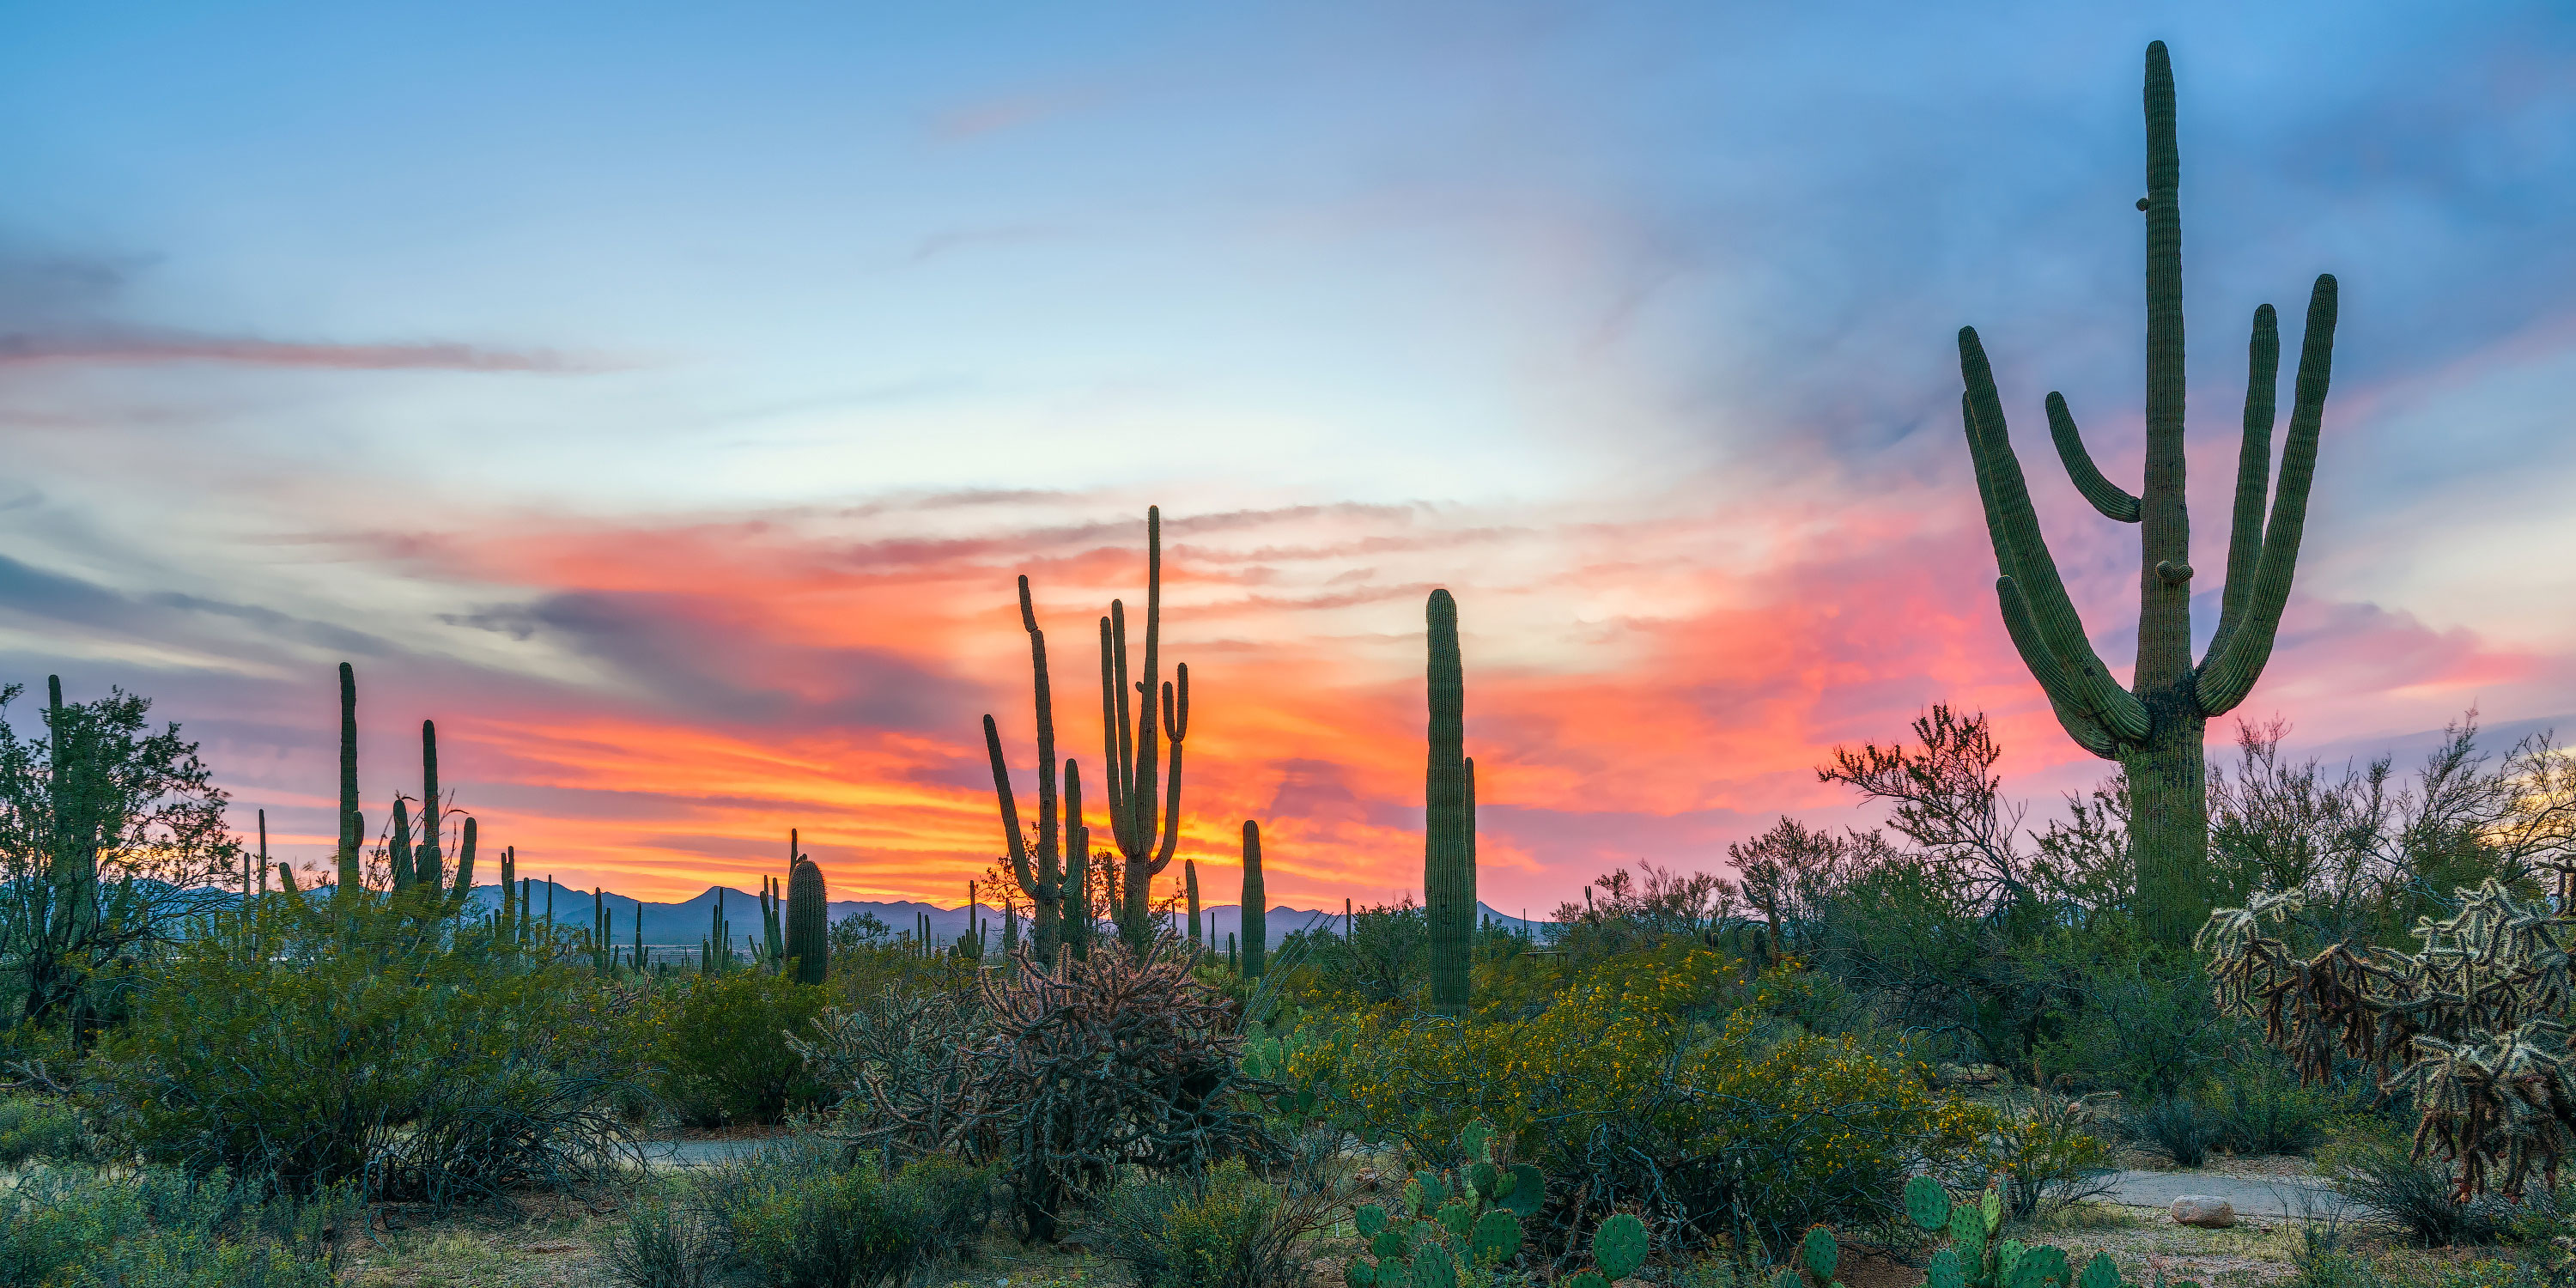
[1713,1126]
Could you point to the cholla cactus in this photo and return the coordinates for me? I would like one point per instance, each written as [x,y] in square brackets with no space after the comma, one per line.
[2472,1024]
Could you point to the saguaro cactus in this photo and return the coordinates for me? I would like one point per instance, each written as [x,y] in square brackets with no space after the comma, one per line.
[426,864]
[1145,836]
[352,828]
[1190,886]
[1449,818]
[807,921]
[2154,727]
[398,850]
[1044,884]
[1076,925]
[1255,914]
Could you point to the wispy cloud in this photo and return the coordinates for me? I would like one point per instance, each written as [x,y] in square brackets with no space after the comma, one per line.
[177,346]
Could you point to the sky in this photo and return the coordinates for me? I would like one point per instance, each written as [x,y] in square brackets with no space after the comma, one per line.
[664,398]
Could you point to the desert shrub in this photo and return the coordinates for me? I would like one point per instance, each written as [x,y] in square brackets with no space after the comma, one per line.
[803,1214]
[77,1228]
[2263,1109]
[2044,1154]
[329,1047]
[1218,1228]
[34,1130]
[2381,1173]
[723,1048]
[2136,1020]
[1741,1127]
[2180,1126]
[664,1245]
[907,1054]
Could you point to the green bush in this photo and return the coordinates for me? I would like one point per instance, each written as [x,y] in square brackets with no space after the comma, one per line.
[1220,1229]
[2132,1020]
[2180,1126]
[2375,1169]
[158,1228]
[33,1130]
[722,1048]
[2262,1109]
[354,1047]
[664,1245]
[800,1214]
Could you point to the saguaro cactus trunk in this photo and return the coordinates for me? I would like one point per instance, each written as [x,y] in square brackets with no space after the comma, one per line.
[2154,728]
[1449,820]
[427,862]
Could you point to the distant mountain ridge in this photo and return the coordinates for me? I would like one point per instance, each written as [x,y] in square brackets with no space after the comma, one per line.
[685,924]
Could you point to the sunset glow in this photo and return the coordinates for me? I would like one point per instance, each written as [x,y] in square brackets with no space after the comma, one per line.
[669,417]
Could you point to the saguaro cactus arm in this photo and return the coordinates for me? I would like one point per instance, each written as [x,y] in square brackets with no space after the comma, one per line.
[2020,547]
[2106,496]
[1018,845]
[1176,726]
[2253,473]
[2229,675]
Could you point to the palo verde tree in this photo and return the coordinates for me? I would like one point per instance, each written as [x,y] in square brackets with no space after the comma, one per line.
[110,835]
[2154,727]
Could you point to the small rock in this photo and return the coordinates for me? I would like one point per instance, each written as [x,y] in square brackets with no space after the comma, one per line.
[2205,1211]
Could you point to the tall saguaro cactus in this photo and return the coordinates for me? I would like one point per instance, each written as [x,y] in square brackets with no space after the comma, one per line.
[1190,886]
[1076,925]
[2154,727]
[352,828]
[1145,836]
[426,860]
[1449,818]
[1044,885]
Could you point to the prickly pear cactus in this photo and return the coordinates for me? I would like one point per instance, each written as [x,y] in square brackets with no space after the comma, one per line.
[1818,1255]
[1619,1246]
[1454,1228]
[1976,1258]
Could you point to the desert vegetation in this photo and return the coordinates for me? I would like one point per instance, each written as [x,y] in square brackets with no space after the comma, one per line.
[1914,1051]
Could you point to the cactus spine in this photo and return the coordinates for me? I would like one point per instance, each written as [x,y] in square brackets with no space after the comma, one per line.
[1449,819]
[1145,836]
[1255,911]
[808,942]
[2155,728]
[352,827]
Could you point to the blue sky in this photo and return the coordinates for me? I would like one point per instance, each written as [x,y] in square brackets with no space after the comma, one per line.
[1623,316]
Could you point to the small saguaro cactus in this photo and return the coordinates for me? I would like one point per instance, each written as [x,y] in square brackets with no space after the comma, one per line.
[1256,919]
[808,927]
[1190,885]
[2154,727]
[398,848]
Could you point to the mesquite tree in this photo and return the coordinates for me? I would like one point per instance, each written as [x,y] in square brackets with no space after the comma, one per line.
[110,834]
[2154,727]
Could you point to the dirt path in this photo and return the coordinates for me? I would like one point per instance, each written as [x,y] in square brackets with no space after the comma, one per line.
[2293,1197]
